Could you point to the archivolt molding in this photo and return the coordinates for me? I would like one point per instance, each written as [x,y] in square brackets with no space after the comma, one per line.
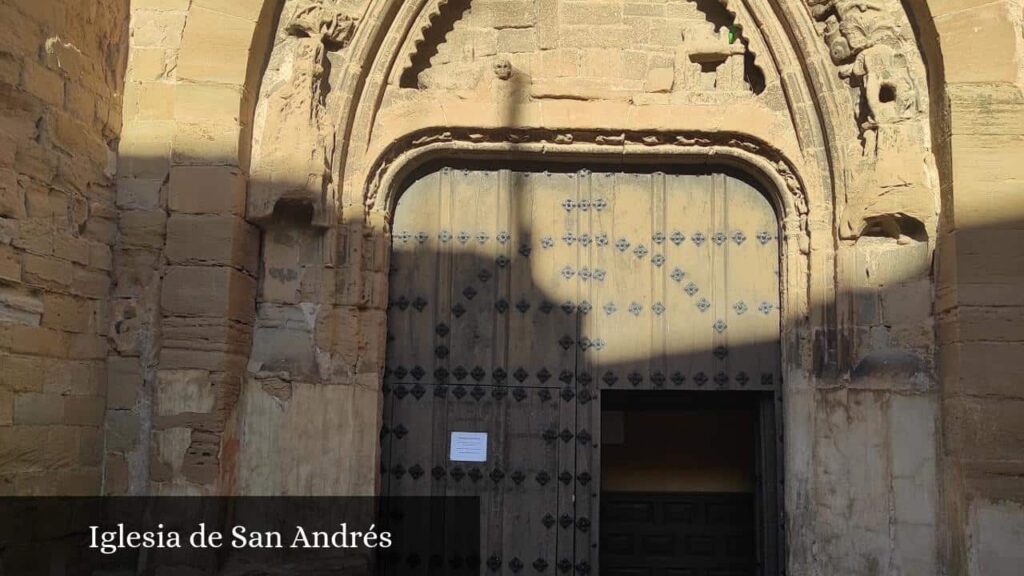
[425,21]
[744,151]
[829,179]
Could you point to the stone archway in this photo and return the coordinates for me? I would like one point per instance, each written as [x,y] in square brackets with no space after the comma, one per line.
[815,136]
[812,127]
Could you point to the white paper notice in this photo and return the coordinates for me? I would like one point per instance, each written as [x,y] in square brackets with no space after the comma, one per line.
[468,447]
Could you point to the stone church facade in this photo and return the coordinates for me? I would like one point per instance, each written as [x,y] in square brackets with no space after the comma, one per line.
[201,226]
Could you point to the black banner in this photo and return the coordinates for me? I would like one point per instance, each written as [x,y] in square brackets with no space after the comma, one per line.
[200,536]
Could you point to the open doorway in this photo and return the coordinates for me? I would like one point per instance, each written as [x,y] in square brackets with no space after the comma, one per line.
[684,483]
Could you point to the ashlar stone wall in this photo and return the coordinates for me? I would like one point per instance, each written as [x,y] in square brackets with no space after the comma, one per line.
[185,264]
[979,302]
[61,81]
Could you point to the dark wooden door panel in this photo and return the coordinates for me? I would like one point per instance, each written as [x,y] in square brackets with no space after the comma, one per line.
[661,534]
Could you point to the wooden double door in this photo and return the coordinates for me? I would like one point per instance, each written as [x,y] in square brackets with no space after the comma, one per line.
[518,294]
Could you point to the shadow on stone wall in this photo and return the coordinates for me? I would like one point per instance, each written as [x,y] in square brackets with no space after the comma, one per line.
[250,360]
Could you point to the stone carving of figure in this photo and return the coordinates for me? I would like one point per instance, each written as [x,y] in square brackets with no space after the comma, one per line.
[319,29]
[502,69]
[504,84]
[295,162]
[864,41]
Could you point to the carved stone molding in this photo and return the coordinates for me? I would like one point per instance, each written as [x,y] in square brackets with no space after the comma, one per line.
[409,63]
[728,147]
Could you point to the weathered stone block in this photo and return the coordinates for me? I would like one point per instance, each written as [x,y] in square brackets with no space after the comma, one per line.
[69,133]
[204,102]
[139,193]
[36,448]
[12,197]
[157,28]
[997,529]
[150,64]
[90,447]
[35,340]
[291,265]
[215,47]
[90,282]
[283,340]
[10,264]
[981,324]
[149,101]
[990,428]
[513,40]
[206,143]
[20,306]
[971,35]
[73,248]
[76,378]
[145,150]
[594,36]
[558,63]
[143,228]
[207,334]
[38,409]
[84,410]
[665,36]
[6,407]
[46,271]
[68,313]
[212,361]
[122,430]
[984,368]
[124,380]
[635,64]
[35,235]
[207,190]
[115,475]
[184,391]
[503,14]
[209,292]
[100,257]
[22,373]
[169,448]
[601,63]
[201,463]
[134,270]
[547,24]
[244,9]
[907,302]
[87,346]
[161,5]
[649,9]
[659,80]
[218,240]
[80,482]
[44,83]
[884,262]
[101,230]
